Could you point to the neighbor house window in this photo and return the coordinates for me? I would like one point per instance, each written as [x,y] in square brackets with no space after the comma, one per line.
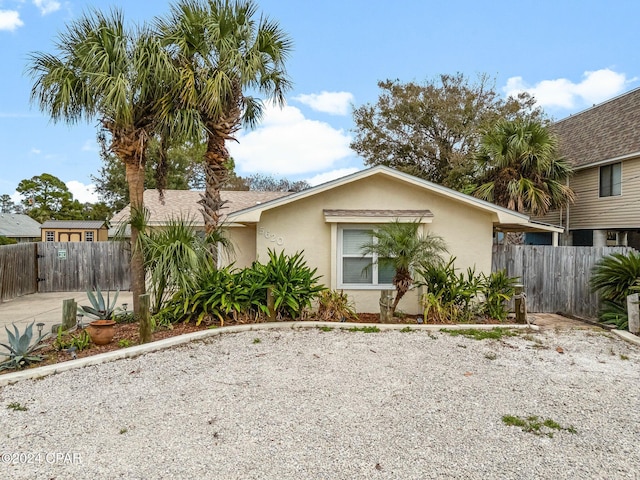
[88,236]
[610,180]
[359,270]
[50,236]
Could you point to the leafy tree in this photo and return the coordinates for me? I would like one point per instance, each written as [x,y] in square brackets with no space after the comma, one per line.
[432,130]
[272,184]
[46,197]
[6,204]
[103,69]
[7,241]
[222,51]
[182,173]
[522,169]
[401,246]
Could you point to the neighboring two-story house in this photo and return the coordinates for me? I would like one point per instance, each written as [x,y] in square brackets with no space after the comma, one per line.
[603,145]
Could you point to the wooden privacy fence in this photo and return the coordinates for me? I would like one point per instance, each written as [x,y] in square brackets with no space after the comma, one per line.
[556,279]
[18,270]
[63,267]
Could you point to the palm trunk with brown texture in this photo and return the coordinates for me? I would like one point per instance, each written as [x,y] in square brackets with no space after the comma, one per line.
[135,180]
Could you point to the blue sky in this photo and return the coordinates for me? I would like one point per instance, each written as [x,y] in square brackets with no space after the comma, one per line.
[570,54]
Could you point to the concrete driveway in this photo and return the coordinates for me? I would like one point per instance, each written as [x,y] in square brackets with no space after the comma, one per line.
[45,308]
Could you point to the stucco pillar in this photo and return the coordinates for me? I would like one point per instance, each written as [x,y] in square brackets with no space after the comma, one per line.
[554,239]
[599,238]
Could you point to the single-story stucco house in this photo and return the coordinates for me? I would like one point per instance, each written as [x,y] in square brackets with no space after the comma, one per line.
[330,222]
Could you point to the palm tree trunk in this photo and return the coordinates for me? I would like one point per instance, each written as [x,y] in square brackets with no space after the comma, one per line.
[135,180]
[216,175]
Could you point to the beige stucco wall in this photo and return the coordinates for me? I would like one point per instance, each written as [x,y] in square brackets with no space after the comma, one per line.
[301,225]
[243,240]
[591,211]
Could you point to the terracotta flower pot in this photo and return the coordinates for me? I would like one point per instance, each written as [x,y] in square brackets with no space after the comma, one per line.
[101,331]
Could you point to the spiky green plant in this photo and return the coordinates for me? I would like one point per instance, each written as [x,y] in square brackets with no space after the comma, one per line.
[21,349]
[614,278]
[614,275]
[402,246]
[101,308]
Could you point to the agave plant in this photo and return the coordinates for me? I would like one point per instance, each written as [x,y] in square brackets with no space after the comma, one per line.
[100,308]
[20,348]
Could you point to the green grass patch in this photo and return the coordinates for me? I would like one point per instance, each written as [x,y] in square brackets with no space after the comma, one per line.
[17,407]
[623,357]
[256,340]
[407,330]
[324,328]
[477,334]
[365,329]
[536,425]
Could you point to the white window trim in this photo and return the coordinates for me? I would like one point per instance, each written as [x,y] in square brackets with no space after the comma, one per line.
[46,236]
[599,180]
[339,256]
[87,234]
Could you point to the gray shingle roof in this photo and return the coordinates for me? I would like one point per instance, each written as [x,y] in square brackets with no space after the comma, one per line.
[15,225]
[606,131]
[184,203]
[85,224]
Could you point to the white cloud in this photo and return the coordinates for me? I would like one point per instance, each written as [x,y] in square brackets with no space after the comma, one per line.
[90,146]
[595,87]
[10,20]
[47,6]
[335,103]
[81,192]
[287,143]
[36,151]
[331,175]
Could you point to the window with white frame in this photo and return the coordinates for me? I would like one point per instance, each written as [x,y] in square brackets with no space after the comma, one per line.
[357,270]
[88,236]
[50,236]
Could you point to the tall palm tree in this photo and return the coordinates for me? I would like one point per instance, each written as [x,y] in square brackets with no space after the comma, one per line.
[103,69]
[223,55]
[522,168]
[403,247]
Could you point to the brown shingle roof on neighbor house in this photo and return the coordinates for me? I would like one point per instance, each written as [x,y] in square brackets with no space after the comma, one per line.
[184,204]
[74,224]
[606,131]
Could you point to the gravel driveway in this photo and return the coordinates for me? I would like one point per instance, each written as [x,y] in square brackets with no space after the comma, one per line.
[335,405]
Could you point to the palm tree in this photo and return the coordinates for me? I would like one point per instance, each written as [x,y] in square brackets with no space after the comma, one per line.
[221,51]
[102,69]
[523,170]
[402,247]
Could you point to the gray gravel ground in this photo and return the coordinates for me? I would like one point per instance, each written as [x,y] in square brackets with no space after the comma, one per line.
[334,405]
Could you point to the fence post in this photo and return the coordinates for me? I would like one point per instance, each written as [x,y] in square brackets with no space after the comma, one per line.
[633,313]
[521,304]
[144,316]
[69,313]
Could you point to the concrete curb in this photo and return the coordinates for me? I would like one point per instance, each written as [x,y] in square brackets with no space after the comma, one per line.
[627,336]
[137,350]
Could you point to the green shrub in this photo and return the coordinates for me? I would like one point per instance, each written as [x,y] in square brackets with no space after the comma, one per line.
[335,305]
[227,292]
[498,289]
[613,278]
[7,241]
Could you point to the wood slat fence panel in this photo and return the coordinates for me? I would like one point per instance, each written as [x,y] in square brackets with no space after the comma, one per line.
[18,270]
[556,279]
[78,266]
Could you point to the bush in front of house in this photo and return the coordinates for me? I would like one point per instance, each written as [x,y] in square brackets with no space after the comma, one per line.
[228,293]
[453,297]
[7,241]
[614,278]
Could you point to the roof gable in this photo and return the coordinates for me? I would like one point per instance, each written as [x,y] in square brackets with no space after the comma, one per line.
[608,131]
[503,215]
